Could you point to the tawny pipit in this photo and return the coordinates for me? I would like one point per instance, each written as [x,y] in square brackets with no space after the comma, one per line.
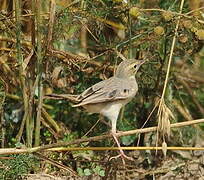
[109,96]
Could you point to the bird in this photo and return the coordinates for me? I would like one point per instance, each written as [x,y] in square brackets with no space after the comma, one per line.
[107,97]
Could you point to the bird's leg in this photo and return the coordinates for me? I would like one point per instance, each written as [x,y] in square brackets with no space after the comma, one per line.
[122,154]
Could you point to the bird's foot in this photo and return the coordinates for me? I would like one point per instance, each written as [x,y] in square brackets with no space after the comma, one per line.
[122,154]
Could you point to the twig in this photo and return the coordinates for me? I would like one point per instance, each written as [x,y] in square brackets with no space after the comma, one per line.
[20,132]
[96,138]
[3,129]
[22,74]
[17,98]
[191,76]
[170,57]
[52,131]
[92,127]
[39,73]
[161,103]
[181,109]
[24,43]
[50,120]
[50,24]
[194,10]
[61,149]
[64,56]
[186,15]
[59,165]
[201,109]
[138,141]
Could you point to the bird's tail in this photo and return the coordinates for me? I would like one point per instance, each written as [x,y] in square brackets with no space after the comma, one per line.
[62,96]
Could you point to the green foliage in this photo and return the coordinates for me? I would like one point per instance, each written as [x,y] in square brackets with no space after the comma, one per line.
[94,170]
[70,136]
[84,37]
[18,166]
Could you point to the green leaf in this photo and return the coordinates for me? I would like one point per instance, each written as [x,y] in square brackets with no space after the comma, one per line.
[80,171]
[127,140]
[97,169]
[101,173]
[87,172]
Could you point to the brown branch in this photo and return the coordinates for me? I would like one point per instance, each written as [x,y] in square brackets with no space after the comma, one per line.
[2,119]
[192,76]
[24,43]
[50,120]
[6,151]
[59,165]
[189,90]
[182,110]
[66,57]
[51,23]
[96,138]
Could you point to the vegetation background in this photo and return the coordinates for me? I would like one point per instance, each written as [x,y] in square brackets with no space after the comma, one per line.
[63,47]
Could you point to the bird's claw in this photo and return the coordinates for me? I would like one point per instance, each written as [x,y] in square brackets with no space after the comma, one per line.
[123,157]
[122,154]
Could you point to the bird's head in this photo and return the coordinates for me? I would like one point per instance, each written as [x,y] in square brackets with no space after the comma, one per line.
[128,68]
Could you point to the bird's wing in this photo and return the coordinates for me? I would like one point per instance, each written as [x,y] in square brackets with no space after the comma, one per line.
[108,90]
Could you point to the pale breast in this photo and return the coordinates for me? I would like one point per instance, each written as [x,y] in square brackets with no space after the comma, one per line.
[106,107]
[125,88]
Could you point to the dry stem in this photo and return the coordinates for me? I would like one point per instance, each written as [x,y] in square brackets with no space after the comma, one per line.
[97,138]
[162,103]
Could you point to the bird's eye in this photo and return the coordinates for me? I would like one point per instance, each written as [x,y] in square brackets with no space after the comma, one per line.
[126,90]
[135,66]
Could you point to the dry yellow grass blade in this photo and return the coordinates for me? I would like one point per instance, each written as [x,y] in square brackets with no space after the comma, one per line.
[164,113]
[164,116]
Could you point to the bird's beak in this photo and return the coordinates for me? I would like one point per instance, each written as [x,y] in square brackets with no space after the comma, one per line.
[139,64]
[142,62]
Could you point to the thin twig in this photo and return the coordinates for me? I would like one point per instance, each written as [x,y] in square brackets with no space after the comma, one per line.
[51,24]
[182,110]
[50,120]
[196,102]
[186,15]
[59,165]
[170,56]
[92,127]
[138,141]
[2,119]
[194,10]
[22,74]
[168,69]
[39,73]
[136,148]
[5,151]
[95,138]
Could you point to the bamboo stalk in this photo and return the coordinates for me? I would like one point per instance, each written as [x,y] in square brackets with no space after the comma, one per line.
[39,73]
[22,73]
[2,120]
